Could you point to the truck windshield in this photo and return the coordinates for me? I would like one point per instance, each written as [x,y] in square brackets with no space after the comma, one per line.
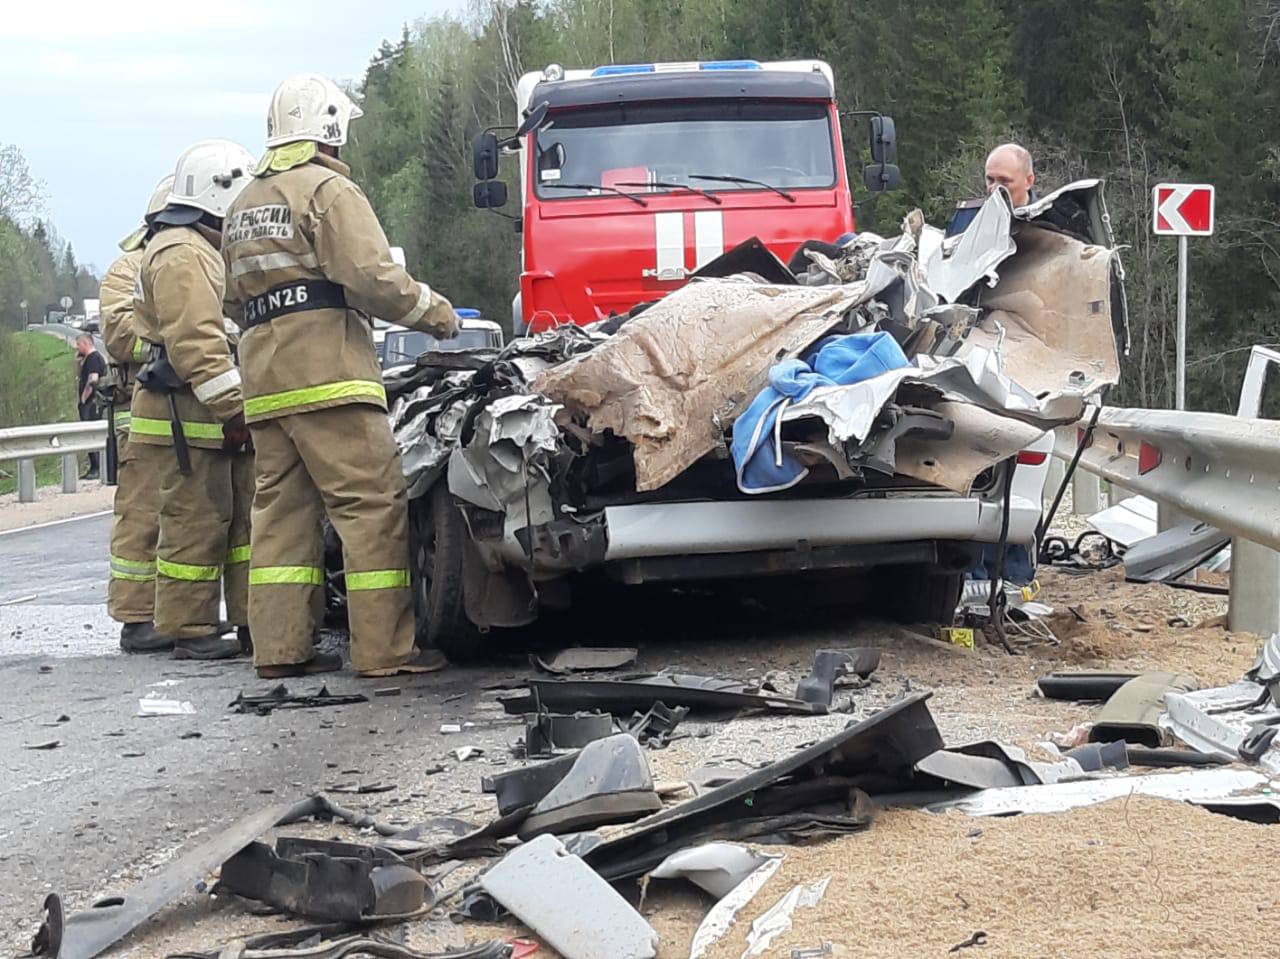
[785,144]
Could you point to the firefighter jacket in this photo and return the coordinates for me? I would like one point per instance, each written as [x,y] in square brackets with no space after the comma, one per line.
[178,305]
[308,265]
[124,346]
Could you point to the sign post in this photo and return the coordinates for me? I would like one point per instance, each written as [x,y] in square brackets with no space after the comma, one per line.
[1182,210]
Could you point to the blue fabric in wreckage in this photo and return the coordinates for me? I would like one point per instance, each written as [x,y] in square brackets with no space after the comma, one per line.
[763,466]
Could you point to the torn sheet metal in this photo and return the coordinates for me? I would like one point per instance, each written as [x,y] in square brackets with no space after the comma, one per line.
[326,880]
[624,697]
[584,919]
[85,934]
[716,867]
[671,377]
[1050,317]
[609,782]
[776,920]
[1173,552]
[1266,669]
[504,465]
[545,733]
[1130,521]
[1202,787]
[954,267]
[1220,721]
[885,746]
[723,914]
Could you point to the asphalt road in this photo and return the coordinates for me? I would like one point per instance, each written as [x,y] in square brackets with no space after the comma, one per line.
[115,794]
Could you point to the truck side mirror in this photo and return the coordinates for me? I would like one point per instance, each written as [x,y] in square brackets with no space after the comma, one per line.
[879,177]
[884,140]
[489,194]
[484,156]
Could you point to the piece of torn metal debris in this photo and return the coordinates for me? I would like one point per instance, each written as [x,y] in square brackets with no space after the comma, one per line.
[609,782]
[1220,721]
[655,727]
[788,795]
[585,659]
[584,919]
[463,753]
[1172,553]
[979,938]
[1133,712]
[1095,756]
[1085,685]
[1266,669]
[524,787]
[545,733]
[624,697]
[716,867]
[264,704]
[988,764]
[777,919]
[85,934]
[1212,788]
[831,664]
[45,746]
[722,915]
[1130,521]
[321,879]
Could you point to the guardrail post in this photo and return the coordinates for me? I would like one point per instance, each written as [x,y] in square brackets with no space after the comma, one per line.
[70,472]
[26,481]
[1053,478]
[1254,606]
[1086,493]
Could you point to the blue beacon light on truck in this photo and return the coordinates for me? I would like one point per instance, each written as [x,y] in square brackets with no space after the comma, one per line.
[625,69]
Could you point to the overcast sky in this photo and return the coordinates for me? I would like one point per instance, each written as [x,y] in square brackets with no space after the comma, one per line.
[103,95]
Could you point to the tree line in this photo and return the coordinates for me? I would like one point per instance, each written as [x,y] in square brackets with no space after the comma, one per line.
[37,267]
[1136,91]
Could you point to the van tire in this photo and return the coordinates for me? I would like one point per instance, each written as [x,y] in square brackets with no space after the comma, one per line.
[922,594]
[437,541]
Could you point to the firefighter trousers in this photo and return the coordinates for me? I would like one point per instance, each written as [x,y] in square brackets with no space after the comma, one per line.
[341,462]
[135,528]
[235,579]
[194,548]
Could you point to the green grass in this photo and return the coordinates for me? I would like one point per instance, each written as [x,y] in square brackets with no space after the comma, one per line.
[37,385]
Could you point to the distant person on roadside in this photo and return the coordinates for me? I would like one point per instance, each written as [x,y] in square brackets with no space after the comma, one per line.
[92,369]
[1010,166]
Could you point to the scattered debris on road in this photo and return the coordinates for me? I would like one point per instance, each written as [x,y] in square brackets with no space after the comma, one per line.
[266,703]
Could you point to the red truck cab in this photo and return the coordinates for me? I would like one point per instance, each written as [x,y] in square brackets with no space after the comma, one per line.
[634,176]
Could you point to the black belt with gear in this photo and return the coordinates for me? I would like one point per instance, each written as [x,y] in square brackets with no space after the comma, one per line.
[293,297]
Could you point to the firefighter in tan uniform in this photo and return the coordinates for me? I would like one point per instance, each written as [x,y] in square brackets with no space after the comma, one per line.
[135,526]
[309,264]
[187,418]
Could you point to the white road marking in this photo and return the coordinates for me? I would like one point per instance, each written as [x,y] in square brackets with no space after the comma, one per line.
[54,522]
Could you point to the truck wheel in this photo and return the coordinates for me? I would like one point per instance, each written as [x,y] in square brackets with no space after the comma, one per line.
[437,538]
[922,594]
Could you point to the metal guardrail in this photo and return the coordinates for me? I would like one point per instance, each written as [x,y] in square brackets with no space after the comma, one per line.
[1216,468]
[26,443]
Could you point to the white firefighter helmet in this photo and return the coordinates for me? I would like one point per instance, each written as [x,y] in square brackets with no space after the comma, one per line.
[308,106]
[160,198]
[210,175]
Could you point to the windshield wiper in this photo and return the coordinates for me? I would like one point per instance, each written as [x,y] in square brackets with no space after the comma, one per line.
[790,198]
[594,186]
[677,186]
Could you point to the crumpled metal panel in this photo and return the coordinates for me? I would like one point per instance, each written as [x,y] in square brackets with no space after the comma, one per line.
[672,377]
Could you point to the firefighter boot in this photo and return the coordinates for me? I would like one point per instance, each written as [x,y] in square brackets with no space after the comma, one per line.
[424,661]
[143,638]
[245,639]
[319,663]
[211,646]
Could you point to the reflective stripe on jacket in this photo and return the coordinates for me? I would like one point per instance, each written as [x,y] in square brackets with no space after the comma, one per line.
[179,305]
[309,222]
